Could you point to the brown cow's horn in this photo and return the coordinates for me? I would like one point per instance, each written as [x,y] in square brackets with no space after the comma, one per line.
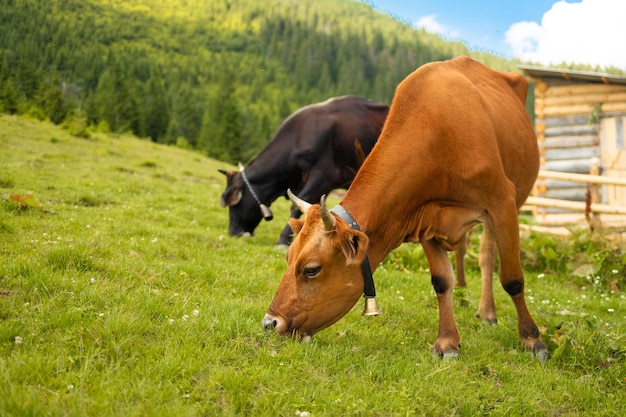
[302,205]
[327,218]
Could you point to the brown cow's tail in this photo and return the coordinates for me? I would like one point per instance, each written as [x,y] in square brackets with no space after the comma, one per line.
[518,83]
[358,151]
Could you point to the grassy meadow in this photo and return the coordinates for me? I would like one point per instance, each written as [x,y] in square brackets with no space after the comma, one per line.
[121,294]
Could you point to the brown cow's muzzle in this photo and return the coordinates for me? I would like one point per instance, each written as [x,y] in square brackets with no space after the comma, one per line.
[270,322]
[279,325]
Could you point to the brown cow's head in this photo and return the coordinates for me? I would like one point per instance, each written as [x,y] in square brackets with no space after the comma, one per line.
[323,280]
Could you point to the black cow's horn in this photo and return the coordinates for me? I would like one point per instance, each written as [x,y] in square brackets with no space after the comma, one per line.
[302,205]
[327,218]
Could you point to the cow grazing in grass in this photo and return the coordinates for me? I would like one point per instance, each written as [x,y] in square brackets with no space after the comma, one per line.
[315,150]
[457,149]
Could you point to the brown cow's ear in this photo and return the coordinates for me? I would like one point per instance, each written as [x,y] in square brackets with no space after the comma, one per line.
[296,225]
[354,246]
[231,199]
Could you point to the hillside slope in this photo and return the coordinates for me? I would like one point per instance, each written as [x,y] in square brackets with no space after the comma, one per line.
[122,295]
[220,74]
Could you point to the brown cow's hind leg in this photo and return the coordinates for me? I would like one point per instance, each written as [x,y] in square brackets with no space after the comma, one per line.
[459,257]
[512,280]
[487,307]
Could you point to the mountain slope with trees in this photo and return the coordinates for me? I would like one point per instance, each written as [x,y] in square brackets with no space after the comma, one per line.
[216,75]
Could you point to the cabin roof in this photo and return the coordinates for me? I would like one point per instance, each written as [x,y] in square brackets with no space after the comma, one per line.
[568,74]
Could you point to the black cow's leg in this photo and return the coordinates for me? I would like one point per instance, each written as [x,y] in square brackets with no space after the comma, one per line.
[284,240]
[312,191]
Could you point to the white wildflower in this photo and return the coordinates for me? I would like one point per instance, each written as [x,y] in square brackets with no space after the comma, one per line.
[185,317]
[196,312]
[18,340]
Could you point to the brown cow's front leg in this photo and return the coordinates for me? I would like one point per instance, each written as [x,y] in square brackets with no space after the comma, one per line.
[487,306]
[448,342]
[512,280]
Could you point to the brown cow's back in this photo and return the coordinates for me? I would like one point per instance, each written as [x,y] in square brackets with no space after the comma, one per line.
[430,151]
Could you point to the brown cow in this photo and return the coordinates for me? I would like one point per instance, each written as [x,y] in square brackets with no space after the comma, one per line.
[457,149]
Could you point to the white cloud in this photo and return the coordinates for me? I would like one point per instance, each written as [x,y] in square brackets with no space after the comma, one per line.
[589,32]
[430,24]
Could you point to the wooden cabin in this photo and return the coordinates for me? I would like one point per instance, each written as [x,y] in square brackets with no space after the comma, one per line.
[580,119]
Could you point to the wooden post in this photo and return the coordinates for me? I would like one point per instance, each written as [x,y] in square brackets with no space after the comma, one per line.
[594,169]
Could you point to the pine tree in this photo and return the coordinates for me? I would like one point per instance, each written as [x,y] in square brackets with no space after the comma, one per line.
[114,102]
[156,111]
[221,135]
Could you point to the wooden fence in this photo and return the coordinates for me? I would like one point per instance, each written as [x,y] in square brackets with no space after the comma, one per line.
[591,206]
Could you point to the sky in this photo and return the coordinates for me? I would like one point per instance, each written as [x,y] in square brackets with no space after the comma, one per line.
[547,32]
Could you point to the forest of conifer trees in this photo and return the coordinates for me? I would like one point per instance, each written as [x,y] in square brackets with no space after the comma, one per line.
[218,76]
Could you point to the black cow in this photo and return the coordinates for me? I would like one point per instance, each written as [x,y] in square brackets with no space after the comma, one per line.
[316,149]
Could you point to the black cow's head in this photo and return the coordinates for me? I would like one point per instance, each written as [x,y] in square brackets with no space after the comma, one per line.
[244,211]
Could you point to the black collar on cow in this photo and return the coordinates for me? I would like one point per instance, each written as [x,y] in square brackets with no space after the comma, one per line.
[369,291]
[265,211]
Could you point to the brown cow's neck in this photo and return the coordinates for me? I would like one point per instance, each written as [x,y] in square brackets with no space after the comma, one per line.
[383,234]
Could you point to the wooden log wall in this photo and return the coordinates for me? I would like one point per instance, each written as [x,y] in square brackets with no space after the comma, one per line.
[566,122]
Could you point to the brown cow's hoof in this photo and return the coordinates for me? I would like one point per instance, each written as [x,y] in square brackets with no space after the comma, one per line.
[540,351]
[487,318]
[537,348]
[543,355]
[449,355]
[447,349]
[453,354]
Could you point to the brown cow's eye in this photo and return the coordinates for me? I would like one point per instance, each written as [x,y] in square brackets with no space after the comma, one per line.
[312,271]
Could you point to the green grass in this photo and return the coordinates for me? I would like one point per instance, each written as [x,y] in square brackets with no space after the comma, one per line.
[122,295]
